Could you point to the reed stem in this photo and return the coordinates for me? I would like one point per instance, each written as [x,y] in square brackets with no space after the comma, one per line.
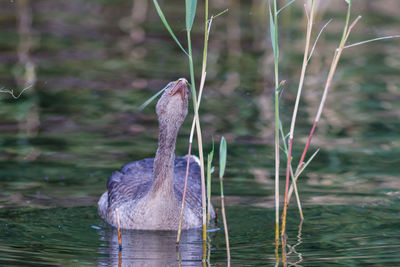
[199,138]
[178,237]
[274,33]
[294,116]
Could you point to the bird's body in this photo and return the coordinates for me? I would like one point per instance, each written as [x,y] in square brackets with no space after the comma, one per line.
[148,193]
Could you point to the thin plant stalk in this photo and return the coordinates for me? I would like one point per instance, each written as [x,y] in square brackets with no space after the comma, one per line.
[207,24]
[274,40]
[119,230]
[196,122]
[296,106]
[222,164]
[190,15]
[178,237]
[346,32]
[202,81]
[200,147]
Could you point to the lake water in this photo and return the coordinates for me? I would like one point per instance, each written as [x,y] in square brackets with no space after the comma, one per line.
[93,63]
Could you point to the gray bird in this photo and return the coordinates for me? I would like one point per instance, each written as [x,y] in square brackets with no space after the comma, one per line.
[148,193]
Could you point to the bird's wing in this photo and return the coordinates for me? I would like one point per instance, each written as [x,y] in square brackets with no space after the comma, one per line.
[132,182]
[193,193]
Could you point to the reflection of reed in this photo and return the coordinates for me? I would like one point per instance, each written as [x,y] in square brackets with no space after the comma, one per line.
[292,249]
[151,248]
[25,76]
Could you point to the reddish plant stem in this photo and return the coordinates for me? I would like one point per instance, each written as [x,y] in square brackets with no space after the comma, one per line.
[303,156]
[184,194]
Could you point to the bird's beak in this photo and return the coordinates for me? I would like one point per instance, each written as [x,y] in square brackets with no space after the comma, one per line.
[180,87]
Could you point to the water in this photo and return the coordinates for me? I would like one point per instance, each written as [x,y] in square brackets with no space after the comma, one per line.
[93,63]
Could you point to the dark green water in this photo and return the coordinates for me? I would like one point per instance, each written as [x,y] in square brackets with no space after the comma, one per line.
[93,63]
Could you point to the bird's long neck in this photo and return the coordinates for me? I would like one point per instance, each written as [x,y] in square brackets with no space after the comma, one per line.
[163,169]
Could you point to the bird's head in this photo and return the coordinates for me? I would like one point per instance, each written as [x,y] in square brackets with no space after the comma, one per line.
[172,107]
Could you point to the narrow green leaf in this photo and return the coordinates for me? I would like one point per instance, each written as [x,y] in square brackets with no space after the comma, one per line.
[285,6]
[210,158]
[306,164]
[272,30]
[274,39]
[164,20]
[191,6]
[222,157]
[148,101]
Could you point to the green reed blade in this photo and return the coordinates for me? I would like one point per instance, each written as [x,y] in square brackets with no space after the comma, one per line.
[148,101]
[222,157]
[285,6]
[274,37]
[190,13]
[164,20]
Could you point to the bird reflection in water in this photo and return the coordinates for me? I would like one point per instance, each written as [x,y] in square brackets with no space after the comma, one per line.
[151,248]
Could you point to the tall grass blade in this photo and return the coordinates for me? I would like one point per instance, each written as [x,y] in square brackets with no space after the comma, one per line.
[190,13]
[164,20]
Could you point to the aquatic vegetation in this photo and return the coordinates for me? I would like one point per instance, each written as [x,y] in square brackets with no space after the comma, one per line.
[222,164]
[287,140]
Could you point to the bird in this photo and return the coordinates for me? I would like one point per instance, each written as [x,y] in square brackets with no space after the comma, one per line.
[148,192]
